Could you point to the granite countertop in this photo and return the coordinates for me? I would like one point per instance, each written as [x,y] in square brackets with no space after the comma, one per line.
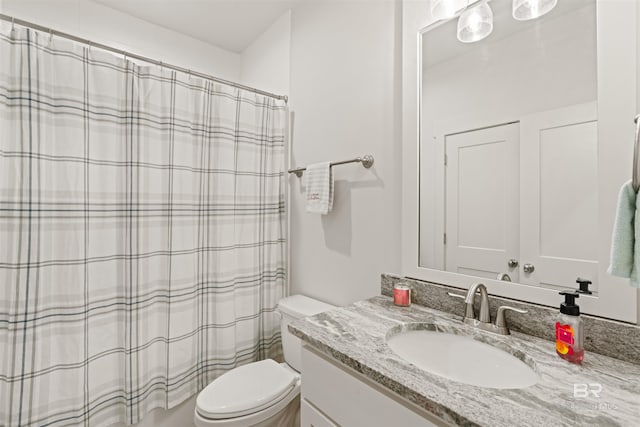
[355,336]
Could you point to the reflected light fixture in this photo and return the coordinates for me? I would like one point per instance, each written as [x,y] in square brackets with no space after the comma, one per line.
[475,23]
[524,10]
[445,9]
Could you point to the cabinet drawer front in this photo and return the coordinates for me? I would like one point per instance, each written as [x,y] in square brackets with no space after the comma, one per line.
[349,401]
[311,417]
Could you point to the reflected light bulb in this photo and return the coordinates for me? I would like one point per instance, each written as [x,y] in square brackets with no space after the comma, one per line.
[524,10]
[475,24]
[445,9]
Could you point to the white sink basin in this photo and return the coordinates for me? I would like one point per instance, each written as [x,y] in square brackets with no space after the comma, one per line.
[461,358]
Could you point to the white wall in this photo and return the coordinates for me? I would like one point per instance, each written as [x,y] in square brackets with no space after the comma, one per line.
[101,24]
[345,88]
[264,64]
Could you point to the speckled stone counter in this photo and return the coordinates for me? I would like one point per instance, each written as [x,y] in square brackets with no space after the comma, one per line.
[355,336]
[609,337]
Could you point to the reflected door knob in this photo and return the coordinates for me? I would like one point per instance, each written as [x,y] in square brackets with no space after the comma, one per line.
[528,268]
[512,263]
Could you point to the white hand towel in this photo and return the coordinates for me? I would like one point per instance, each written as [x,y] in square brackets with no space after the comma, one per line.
[318,183]
[625,244]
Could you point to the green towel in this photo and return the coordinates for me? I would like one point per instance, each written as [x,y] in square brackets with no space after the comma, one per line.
[625,247]
[635,268]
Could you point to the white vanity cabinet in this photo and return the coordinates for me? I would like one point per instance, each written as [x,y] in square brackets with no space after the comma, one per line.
[335,395]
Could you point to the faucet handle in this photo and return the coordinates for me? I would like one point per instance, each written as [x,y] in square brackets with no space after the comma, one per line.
[501,322]
[456,295]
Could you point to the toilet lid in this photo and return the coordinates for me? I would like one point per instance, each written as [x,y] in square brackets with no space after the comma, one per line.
[245,390]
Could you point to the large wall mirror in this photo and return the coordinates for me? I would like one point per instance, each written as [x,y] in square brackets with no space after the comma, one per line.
[517,174]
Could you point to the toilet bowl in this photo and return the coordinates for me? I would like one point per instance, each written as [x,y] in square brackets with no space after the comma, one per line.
[264,393]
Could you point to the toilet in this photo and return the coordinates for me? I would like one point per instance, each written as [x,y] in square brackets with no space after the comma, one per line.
[264,393]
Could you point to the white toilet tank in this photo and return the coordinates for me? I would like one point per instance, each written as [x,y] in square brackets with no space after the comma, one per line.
[292,308]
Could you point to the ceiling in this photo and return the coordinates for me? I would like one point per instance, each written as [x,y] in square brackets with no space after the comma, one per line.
[229,24]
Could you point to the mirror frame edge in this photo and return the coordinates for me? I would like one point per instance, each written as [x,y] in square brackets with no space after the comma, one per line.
[621,15]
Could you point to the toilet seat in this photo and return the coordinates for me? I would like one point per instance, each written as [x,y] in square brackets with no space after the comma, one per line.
[247,390]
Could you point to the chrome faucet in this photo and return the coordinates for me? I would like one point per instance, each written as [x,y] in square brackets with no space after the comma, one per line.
[484,319]
[484,303]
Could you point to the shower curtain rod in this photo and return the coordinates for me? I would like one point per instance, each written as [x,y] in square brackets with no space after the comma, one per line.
[126,54]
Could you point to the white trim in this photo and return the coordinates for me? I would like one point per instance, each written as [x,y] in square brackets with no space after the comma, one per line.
[288,149]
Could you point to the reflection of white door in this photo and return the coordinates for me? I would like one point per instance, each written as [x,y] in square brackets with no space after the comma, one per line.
[482,184]
[559,196]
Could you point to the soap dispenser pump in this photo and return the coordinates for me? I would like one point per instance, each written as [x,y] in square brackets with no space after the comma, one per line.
[569,329]
[584,286]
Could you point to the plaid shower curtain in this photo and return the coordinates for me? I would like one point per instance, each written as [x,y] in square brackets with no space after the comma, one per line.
[141,232]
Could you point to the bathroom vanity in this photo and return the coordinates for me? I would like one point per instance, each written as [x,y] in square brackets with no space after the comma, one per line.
[352,377]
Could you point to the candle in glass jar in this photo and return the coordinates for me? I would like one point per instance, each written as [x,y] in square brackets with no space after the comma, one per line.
[402,295]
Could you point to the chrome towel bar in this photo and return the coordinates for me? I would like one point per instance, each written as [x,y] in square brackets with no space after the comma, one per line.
[367,162]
